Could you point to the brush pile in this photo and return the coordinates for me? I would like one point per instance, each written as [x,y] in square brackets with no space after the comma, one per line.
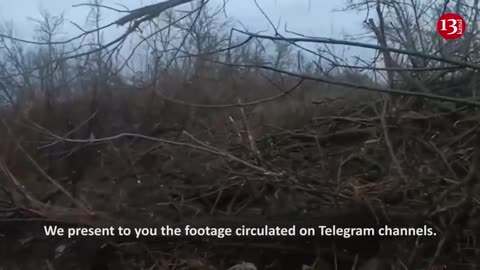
[367,166]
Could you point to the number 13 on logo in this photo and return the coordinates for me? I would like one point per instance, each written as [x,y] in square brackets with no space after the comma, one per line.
[451,26]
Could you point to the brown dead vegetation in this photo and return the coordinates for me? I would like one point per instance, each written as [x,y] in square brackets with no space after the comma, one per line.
[240,138]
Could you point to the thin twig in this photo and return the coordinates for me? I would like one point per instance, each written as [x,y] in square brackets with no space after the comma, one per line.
[388,142]
[203,147]
[43,173]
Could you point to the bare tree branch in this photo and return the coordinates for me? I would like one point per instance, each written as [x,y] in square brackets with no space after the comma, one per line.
[149,12]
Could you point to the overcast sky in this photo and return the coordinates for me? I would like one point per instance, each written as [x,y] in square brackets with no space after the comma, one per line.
[310,17]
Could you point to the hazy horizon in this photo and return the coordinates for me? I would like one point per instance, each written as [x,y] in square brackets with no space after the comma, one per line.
[296,15]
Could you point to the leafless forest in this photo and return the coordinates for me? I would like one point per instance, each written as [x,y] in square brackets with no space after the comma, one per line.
[189,118]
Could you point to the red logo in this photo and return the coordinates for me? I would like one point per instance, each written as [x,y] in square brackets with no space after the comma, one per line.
[451,26]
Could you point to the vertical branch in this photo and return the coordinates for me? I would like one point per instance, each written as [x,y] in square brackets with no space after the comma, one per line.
[380,34]
[249,136]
